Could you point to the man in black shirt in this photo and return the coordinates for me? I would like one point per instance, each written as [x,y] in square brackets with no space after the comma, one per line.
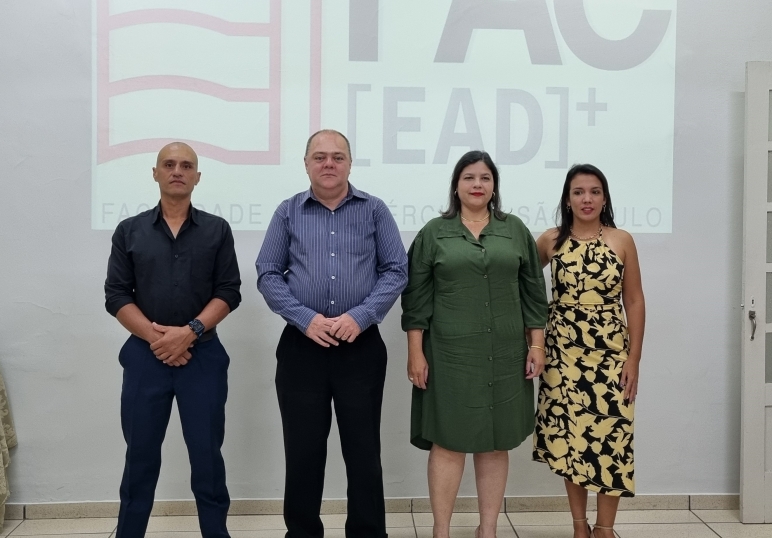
[171,278]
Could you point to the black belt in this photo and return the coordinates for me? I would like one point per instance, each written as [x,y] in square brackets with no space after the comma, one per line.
[208,335]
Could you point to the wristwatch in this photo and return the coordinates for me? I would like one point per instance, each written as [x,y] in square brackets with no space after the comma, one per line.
[197,327]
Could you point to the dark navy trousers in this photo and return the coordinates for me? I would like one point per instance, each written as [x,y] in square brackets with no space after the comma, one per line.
[309,380]
[201,389]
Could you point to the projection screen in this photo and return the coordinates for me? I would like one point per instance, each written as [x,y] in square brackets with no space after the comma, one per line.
[539,84]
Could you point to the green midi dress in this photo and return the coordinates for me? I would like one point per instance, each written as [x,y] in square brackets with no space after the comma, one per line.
[474,298]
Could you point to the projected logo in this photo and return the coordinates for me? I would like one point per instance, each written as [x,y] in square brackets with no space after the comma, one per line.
[539,84]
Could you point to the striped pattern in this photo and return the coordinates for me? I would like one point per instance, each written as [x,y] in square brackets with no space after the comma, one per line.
[314,260]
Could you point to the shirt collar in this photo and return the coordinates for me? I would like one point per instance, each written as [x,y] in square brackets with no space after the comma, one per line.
[455,228]
[157,214]
[353,192]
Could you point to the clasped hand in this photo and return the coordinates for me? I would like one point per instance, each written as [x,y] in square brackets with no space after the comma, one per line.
[172,345]
[330,331]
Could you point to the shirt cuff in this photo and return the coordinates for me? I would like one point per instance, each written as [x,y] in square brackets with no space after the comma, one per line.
[304,320]
[361,316]
[409,323]
[115,304]
[231,299]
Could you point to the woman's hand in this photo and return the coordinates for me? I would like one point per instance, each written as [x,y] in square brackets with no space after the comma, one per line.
[629,379]
[534,362]
[417,369]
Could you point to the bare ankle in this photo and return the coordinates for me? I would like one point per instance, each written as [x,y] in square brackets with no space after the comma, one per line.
[581,528]
[603,531]
[481,532]
[440,533]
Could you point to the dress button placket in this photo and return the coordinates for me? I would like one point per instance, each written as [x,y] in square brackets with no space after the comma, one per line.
[489,328]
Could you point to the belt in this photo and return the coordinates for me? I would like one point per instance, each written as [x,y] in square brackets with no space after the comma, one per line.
[599,306]
[208,335]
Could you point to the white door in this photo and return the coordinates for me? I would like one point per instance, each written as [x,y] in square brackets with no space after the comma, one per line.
[756,349]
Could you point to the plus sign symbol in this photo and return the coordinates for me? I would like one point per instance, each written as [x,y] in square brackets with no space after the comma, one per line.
[591,106]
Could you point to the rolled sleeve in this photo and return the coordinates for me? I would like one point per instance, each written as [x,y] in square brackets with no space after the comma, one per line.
[418,297]
[533,293]
[227,280]
[120,283]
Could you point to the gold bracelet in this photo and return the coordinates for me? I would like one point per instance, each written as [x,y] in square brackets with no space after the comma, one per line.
[539,347]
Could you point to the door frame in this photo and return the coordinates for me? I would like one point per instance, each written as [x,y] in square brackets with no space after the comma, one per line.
[755,482]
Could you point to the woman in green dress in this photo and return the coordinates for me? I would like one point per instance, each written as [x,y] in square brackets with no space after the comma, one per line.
[475,290]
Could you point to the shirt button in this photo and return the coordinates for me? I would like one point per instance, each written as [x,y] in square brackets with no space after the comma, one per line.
[332,302]
[333,277]
[490,384]
[485,276]
[490,358]
[332,254]
[333,211]
[486,303]
[483,250]
[176,256]
[489,329]
[175,283]
[491,407]
[333,233]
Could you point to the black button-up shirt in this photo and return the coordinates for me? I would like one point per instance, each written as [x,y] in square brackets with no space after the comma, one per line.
[171,279]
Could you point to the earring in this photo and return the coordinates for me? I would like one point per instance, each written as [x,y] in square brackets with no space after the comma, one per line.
[568,207]
[493,195]
[455,192]
[604,207]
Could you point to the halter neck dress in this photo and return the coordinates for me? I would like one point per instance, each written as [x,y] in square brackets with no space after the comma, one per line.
[584,427]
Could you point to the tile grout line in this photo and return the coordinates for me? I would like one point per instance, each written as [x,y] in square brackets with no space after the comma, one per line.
[702,520]
[512,525]
[412,518]
[697,516]
[711,529]
[14,532]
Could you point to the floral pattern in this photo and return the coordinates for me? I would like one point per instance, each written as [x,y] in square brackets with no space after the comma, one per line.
[584,427]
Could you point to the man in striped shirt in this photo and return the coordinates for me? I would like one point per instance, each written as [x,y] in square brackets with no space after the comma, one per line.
[332,265]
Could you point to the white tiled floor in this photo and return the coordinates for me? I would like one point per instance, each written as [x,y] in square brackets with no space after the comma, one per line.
[630,524]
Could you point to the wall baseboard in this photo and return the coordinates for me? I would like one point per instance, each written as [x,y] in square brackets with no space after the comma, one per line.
[244,507]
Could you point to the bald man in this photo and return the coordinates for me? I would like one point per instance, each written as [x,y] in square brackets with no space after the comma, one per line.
[172,277]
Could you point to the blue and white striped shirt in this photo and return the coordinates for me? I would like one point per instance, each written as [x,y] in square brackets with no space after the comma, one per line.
[316,260]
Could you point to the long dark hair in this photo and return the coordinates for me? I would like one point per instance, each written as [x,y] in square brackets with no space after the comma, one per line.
[564,217]
[454,204]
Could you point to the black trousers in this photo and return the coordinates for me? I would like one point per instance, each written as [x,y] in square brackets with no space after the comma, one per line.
[308,378]
[149,386]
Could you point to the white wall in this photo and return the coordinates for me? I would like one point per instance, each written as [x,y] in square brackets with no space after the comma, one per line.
[58,346]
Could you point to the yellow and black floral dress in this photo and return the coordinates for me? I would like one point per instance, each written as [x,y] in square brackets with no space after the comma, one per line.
[584,427]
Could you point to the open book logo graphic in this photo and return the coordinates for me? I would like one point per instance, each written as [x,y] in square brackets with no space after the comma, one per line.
[129,101]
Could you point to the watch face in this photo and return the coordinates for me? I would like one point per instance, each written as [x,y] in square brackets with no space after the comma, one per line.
[197,327]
